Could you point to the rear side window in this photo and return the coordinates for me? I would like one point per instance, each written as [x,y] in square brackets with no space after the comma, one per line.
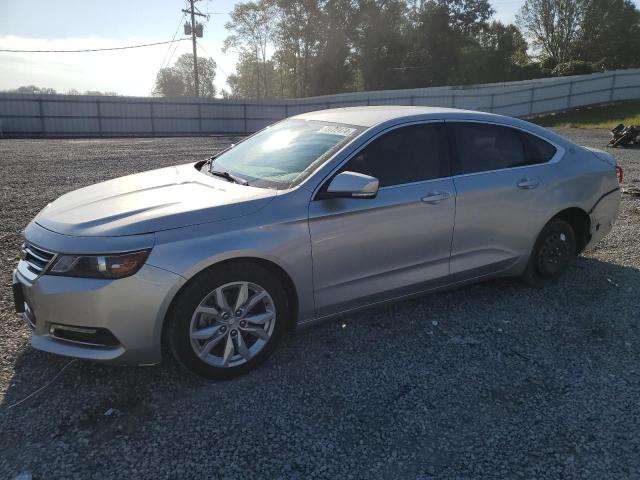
[483,147]
[404,155]
[537,150]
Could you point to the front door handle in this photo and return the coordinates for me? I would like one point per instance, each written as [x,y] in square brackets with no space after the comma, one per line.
[434,198]
[528,183]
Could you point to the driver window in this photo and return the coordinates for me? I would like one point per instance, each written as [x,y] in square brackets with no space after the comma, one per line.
[404,155]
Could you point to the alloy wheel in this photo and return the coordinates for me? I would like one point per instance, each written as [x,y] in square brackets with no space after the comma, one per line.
[232,324]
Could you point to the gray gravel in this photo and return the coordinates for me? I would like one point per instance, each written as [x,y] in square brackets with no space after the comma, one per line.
[494,380]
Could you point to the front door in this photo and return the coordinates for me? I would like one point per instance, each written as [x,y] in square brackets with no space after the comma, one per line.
[370,250]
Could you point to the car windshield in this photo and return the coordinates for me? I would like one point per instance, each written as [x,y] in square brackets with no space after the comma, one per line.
[282,155]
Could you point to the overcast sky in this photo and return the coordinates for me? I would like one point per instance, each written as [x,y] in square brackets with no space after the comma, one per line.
[76,24]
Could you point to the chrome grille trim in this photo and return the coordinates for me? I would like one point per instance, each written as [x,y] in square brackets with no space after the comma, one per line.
[36,258]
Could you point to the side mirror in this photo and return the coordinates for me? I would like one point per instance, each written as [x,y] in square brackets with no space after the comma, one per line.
[353,185]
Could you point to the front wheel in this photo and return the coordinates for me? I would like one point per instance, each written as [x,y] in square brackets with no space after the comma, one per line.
[228,320]
[552,255]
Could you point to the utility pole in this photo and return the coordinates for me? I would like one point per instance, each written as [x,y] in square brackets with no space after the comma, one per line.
[196,31]
[195,51]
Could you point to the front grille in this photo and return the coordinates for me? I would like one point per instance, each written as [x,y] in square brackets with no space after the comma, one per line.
[36,258]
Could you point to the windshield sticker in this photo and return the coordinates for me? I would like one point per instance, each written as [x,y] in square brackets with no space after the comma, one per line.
[335,130]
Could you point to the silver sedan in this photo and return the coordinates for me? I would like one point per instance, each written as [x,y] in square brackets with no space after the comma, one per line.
[310,218]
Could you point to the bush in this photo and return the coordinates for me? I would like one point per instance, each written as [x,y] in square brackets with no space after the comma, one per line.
[548,63]
[575,67]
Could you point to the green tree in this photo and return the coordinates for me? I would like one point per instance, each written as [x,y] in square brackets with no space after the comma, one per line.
[610,34]
[468,16]
[554,26]
[501,53]
[435,51]
[331,69]
[300,29]
[179,81]
[254,79]
[32,89]
[381,43]
[253,26]
[169,83]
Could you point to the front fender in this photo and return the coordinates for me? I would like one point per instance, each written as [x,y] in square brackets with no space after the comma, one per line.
[282,240]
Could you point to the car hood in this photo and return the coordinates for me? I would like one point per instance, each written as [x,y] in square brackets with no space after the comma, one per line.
[149,202]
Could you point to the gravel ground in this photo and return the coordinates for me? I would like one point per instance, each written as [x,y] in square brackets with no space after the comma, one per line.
[495,380]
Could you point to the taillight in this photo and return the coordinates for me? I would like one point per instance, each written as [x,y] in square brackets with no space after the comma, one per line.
[620,173]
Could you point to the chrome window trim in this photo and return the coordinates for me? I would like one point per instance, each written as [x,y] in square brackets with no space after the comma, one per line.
[560,150]
[421,182]
[364,145]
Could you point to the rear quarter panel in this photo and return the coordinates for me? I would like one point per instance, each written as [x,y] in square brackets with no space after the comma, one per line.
[582,181]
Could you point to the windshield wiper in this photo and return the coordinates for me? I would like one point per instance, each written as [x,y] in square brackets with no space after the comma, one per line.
[226,175]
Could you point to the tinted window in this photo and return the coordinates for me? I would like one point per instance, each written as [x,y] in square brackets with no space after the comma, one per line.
[404,155]
[537,150]
[483,147]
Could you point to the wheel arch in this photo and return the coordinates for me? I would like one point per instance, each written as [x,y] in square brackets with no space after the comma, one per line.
[277,270]
[580,223]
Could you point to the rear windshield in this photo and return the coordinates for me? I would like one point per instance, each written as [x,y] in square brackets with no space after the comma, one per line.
[282,155]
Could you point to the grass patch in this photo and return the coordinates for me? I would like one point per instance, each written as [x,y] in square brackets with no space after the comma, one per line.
[605,116]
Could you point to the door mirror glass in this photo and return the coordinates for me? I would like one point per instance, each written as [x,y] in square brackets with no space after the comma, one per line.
[353,185]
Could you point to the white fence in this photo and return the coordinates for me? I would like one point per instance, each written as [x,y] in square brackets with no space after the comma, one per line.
[96,116]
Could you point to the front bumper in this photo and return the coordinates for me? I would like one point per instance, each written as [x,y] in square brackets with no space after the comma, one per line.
[132,309]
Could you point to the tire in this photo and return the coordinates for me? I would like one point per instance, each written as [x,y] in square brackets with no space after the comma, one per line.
[210,338]
[552,255]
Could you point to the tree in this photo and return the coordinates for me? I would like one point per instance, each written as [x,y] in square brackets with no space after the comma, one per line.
[610,34]
[169,83]
[502,51]
[603,32]
[253,26]
[178,80]
[245,82]
[32,89]
[554,26]
[381,44]
[300,29]
[331,69]
[468,16]
[296,48]
[452,43]
[435,51]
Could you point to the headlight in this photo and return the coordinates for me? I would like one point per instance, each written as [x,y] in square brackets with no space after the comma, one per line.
[99,266]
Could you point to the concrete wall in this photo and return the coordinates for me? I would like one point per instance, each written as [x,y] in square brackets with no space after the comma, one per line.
[96,116]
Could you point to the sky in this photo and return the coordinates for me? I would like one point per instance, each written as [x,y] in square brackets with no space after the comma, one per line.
[85,24]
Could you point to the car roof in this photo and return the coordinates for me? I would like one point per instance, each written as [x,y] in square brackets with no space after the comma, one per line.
[370,116]
[386,115]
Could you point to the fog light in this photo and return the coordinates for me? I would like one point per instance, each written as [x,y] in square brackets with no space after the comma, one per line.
[90,336]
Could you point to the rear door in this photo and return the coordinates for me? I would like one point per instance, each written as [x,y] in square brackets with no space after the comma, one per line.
[369,250]
[502,177]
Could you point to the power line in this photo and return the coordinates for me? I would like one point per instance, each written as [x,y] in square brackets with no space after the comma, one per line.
[164,58]
[211,56]
[175,34]
[6,50]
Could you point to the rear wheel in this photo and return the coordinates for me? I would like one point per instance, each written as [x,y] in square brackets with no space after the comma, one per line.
[228,320]
[552,255]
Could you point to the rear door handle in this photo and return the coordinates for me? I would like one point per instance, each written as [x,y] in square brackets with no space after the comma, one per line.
[434,198]
[528,183]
